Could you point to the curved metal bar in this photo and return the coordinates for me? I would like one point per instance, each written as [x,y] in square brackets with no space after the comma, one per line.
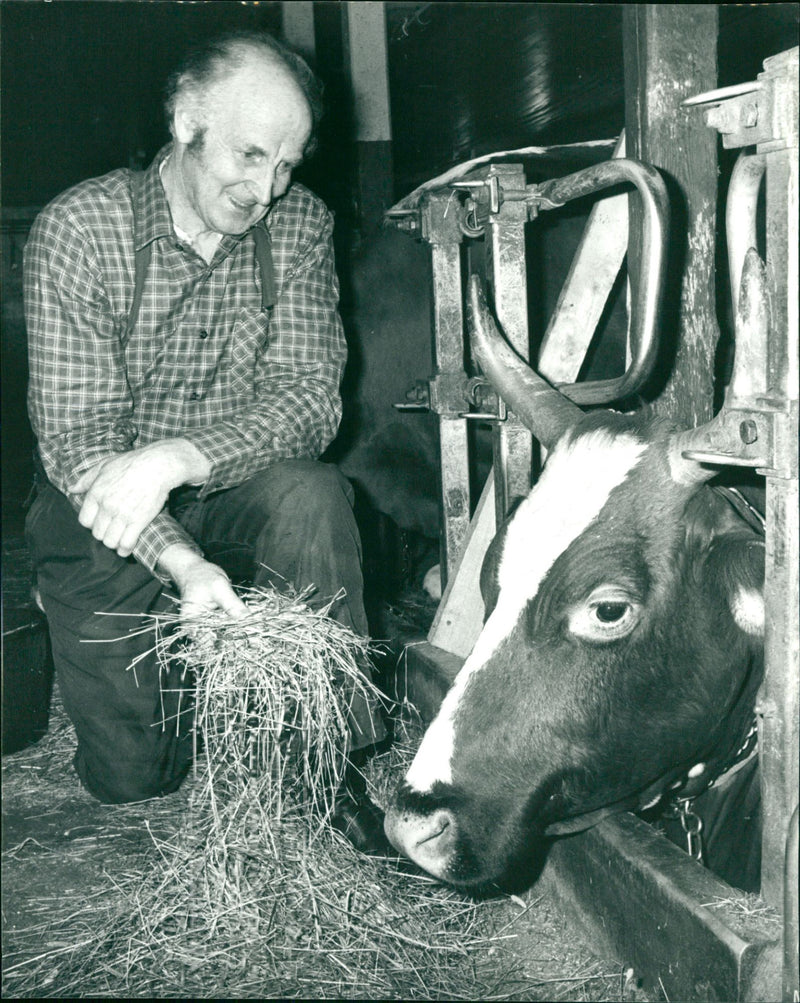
[740,215]
[655,227]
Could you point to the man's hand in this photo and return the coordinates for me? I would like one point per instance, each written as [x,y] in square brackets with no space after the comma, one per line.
[126,492]
[203,586]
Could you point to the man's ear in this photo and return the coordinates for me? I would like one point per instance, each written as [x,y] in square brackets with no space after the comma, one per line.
[186,121]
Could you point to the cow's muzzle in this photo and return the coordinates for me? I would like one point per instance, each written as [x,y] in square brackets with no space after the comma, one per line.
[429,840]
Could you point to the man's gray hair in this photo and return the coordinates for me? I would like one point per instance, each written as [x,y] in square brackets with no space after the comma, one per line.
[211,61]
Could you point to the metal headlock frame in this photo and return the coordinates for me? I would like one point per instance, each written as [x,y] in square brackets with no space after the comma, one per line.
[497,206]
[757,426]
[760,430]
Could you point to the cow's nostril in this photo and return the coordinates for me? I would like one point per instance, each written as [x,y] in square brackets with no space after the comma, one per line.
[436,826]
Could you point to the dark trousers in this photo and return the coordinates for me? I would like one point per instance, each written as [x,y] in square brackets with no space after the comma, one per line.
[289,525]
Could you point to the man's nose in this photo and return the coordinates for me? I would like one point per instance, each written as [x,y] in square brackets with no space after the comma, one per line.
[261,188]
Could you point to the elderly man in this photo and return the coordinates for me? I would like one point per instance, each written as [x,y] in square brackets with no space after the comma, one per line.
[185,359]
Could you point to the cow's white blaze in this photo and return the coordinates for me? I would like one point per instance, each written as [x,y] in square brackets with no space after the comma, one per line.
[571,492]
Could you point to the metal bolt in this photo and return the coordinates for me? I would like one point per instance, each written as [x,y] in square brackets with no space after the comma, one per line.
[750,115]
[748,431]
[723,118]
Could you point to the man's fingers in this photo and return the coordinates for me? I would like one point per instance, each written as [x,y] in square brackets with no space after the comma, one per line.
[215,594]
[229,602]
[88,513]
[128,539]
[85,481]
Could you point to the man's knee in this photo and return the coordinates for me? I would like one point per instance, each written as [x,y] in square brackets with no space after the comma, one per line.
[313,484]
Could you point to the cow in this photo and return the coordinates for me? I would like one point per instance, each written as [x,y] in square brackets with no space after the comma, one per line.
[621,651]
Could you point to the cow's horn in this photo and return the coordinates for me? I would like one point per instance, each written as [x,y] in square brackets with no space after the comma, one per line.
[542,408]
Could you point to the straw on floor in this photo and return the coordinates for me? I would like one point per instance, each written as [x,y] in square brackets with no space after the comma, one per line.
[241,889]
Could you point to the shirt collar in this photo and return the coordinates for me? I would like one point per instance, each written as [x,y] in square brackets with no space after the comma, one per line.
[151,215]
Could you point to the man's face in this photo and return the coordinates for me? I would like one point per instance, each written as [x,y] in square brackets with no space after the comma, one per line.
[236,155]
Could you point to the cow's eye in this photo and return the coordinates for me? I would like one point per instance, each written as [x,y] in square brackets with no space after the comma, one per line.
[606,615]
[611,612]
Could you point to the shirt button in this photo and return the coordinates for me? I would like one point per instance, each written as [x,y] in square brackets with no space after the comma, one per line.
[195,396]
[179,247]
[203,334]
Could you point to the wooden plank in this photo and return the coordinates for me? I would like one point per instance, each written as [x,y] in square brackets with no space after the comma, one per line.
[297,26]
[779,701]
[583,297]
[459,616]
[366,58]
[684,929]
[448,359]
[512,443]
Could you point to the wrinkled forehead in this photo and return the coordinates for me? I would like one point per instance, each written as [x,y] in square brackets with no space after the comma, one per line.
[578,479]
[262,96]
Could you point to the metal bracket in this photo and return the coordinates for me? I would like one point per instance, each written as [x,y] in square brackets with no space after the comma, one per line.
[749,437]
[761,113]
[451,394]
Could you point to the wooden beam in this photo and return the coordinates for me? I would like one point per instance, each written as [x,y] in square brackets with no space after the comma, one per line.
[366,60]
[670,53]
[297,26]
[459,616]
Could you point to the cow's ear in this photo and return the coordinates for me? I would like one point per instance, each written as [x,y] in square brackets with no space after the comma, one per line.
[736,565]
[721,528]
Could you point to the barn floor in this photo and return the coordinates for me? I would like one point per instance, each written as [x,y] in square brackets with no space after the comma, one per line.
[74,923]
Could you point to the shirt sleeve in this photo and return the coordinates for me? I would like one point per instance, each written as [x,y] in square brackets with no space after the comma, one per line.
[79,402]
[295,405]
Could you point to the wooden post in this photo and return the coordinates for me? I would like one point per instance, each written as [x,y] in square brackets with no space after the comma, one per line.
[366,57]
[778,735]
[670,53]
[297,23]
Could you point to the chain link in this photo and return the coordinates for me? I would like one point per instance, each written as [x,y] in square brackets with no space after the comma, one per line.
[692,825]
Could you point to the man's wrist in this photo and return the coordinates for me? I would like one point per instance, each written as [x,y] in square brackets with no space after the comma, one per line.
[183,462]
[177,561]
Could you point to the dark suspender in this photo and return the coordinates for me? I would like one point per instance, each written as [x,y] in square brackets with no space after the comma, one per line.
[266,270]
[265,266]
[141,263]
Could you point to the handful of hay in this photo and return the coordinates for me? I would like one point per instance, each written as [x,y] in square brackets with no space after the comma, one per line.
[272,694]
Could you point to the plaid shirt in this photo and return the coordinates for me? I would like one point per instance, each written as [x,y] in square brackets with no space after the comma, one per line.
[203,362]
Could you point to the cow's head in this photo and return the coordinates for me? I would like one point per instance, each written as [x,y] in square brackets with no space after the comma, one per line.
[621,649]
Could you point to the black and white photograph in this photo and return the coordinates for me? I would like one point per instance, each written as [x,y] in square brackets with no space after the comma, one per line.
[400,531]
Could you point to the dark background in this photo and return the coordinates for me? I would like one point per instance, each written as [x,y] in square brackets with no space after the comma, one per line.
[82,79]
